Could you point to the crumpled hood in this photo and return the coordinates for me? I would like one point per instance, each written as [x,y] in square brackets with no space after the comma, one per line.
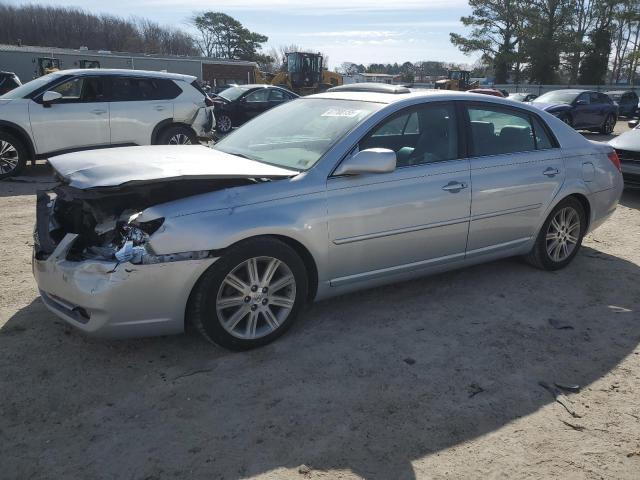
[629,140]
[548,107]
[111,167]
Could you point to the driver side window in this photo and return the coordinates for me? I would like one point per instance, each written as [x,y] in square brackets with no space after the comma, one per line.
[261,95]
[421,135]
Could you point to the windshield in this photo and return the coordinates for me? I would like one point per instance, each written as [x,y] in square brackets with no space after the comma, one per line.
[29,87]
[232,93]
[298,133]
[557,96]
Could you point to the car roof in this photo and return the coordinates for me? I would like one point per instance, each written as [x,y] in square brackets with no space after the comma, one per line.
[124,72]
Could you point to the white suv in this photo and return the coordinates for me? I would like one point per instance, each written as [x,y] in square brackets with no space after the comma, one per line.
[74,110]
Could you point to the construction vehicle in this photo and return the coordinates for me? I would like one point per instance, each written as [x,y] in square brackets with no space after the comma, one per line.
[303,73]
[457,80]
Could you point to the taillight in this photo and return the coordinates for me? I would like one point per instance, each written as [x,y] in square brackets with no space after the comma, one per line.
[208,102]
[613,156]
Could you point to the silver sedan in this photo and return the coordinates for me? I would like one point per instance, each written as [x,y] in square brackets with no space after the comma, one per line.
[335,192]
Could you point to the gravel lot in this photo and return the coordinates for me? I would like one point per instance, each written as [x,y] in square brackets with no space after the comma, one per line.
[435,378]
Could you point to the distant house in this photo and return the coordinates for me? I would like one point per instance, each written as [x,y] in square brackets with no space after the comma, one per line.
[30,62]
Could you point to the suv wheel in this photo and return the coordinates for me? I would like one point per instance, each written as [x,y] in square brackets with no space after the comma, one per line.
[223,123]
[250,296]
[177,136]
[608,125]
[13,155]
[560,237]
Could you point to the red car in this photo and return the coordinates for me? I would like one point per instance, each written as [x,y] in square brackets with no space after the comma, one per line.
[487,91]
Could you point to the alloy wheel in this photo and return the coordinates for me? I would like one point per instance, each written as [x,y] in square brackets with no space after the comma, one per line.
[9,157]
[563,234]
[256,297]
[224,124]
[180,139]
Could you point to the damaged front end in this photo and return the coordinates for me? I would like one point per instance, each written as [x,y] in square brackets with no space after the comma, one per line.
[105,220]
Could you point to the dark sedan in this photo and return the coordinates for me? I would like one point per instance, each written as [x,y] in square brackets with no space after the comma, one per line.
[582,109]
[236,105]
[627,101]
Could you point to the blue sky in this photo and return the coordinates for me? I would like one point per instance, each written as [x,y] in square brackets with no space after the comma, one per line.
[361,31]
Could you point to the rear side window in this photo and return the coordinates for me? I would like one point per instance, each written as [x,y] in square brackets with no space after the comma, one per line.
[495,131]
[130,89]
[543,141]
[602,98]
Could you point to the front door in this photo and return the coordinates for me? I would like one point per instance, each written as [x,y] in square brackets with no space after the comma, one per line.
[80,119]
[409,219]
[254,103]
[516,171]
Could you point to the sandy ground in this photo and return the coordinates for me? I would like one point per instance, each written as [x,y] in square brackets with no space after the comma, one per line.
[435,378]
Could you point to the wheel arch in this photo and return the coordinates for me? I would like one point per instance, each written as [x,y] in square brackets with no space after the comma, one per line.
[21,134]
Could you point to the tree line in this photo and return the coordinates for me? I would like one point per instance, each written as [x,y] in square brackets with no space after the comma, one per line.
[551,41]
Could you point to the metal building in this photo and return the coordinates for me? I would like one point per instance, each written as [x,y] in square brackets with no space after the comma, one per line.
[30,62]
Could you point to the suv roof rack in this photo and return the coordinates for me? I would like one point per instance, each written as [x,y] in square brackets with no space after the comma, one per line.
[371,87]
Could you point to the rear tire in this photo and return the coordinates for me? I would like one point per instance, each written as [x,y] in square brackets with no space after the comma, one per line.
[177,135]
[250,296]
[560,237]
[13,155]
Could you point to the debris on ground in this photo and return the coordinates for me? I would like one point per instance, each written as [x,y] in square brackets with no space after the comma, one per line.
[560,324]
[304,470]
[569,387]
[409,361]
[560,398]
[577,428]
[193,372]
[474,389]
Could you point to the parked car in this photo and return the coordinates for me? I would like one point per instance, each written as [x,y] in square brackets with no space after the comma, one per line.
[8,81]
[487,91]
[581,109]
[627,101]
[92,108]
[328,194]
[627,146]
[522,97]
[236,105]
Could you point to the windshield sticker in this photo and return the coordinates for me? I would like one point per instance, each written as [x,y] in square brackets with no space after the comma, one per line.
[341,112]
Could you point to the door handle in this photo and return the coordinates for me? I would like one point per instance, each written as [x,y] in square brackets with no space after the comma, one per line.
[551,172]
[98,112]
[454,187]
[159,108]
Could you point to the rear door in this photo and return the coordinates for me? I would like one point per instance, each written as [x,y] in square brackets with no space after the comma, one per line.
[137,105]
[583,112]
[80,119]
[516,171]
[412,218]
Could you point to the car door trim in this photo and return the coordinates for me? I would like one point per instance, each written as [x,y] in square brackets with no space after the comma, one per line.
[508,211]
[396,269]
[398,231]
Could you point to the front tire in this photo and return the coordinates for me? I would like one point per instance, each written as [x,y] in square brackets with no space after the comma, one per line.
[13,155]
[177,135]
[608,125]
[250,296]
[560,237]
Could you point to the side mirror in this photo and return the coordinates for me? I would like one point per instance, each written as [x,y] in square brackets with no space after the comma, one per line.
[632,123]
[372,160]
[581,102]
[50,97]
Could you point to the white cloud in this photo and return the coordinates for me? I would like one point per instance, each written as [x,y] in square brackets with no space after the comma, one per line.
[353,34]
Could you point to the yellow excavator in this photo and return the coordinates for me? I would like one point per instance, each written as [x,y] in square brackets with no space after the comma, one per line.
[459,80]
[303,73]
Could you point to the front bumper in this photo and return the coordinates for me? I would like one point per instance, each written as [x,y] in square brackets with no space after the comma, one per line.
[117,300]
